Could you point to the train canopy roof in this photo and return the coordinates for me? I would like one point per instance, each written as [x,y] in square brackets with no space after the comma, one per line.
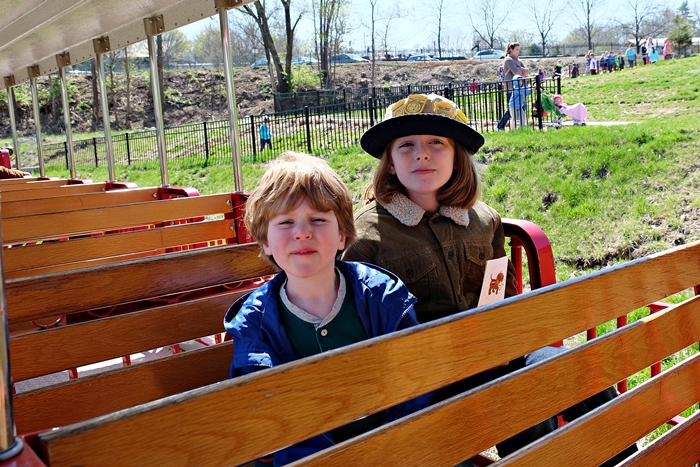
[33,32]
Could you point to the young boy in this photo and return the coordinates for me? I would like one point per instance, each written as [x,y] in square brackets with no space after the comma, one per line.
[301,216]
[265,134]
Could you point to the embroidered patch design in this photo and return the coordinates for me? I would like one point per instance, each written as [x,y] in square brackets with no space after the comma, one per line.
[398,109]
[461,117]
[416,103]
[444,108]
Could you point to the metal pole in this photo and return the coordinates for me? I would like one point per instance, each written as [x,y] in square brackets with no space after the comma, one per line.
[10,446]
[13,126]
[222,7]
[63,60]
[33,72]
[154,26]
[101,46]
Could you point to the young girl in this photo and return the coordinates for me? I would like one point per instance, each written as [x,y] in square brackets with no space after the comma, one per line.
[518,103]
[425,223]
[577,112]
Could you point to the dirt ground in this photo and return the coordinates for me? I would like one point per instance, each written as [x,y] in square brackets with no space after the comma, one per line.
[199,95]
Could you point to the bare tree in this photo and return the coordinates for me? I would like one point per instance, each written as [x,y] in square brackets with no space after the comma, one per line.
[588,14]
[373,4]
[437,9]
[643,20]
[206,47]
[395,12]
[329,28]
[487,17]
[544,16]
[262,18]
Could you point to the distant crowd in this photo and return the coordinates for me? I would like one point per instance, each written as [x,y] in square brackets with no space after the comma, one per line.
[610,61]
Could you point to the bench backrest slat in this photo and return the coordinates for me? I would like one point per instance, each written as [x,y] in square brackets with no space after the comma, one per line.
[55,294]
[369,376]
[517,402]
[633,415]
[680,444]
[74,202]
[50,191]
[96,395]
[19,229]
[65,347]
[49,257]
[21,185]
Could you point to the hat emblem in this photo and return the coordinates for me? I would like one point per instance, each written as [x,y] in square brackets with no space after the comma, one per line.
[416,103]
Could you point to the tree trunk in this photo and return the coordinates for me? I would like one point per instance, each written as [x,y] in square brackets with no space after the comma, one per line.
[127,75]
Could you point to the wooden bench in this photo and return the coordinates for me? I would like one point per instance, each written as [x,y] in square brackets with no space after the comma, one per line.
[24,184]
[56,349]
[232,422]
[40,191]
[114,232]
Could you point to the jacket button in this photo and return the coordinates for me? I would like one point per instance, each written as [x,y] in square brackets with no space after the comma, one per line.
[324,332]
[481,255]
[409,273]
[450,255]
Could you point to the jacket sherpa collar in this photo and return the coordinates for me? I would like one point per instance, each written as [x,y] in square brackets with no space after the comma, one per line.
[409,213]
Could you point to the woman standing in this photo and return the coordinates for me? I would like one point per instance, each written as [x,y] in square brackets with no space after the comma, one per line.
[512,66]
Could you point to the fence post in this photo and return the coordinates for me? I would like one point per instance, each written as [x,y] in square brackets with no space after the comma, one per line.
[559,85]
[252,135]
[318,98]
[296,104]
[540,108]
[308,128]
[65,149]
[94,147]
[128,150]
[206,144]
[370,103]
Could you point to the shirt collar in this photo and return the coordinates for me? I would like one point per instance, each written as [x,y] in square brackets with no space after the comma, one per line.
[409,213]
[308,317]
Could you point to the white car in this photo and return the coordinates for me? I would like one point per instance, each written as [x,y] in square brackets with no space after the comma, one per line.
[491,54]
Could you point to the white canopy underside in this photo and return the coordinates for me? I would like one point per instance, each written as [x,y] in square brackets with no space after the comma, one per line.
[33,32]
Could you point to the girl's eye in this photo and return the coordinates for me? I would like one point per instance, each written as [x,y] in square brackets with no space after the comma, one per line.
[405,144]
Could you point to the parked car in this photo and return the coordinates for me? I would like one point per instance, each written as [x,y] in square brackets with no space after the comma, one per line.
[304,61]
[347,58]
[491,54]
[260,62]
[421,58]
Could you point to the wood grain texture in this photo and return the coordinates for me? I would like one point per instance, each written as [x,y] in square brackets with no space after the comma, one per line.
[50,191]
[49,257]
[368,376]
[506,407]
[599,435]
[679,446]
[18,229]
[99,394]
[73,202]
[83,289]
[22,185]
[57,349]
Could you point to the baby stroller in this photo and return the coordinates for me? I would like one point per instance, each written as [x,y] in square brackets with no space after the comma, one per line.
[548,107]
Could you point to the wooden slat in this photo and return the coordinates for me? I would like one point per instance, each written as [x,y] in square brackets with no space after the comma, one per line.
[74,202]
[599,435]
[679,446]
[39,259]
[53,350]
[51,191]
[99,394]
[22,185]
[19,229]
[14,181]
[510,405]
[381,372]
[82,289]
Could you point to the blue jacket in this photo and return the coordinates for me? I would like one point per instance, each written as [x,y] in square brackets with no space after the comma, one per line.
[383,303]
[517,99]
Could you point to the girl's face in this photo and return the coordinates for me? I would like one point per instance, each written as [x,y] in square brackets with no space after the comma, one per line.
[557,100]
[423,165]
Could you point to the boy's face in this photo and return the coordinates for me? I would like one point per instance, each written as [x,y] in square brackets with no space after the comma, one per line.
[304,241]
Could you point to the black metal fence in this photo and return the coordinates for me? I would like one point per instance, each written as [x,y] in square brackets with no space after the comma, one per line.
[312,129]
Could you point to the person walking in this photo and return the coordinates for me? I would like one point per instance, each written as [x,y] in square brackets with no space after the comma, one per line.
[512,67]
[265,134]
[668,52]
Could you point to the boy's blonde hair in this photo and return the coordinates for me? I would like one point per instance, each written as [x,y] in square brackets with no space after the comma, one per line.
[292,178]
[461,190]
